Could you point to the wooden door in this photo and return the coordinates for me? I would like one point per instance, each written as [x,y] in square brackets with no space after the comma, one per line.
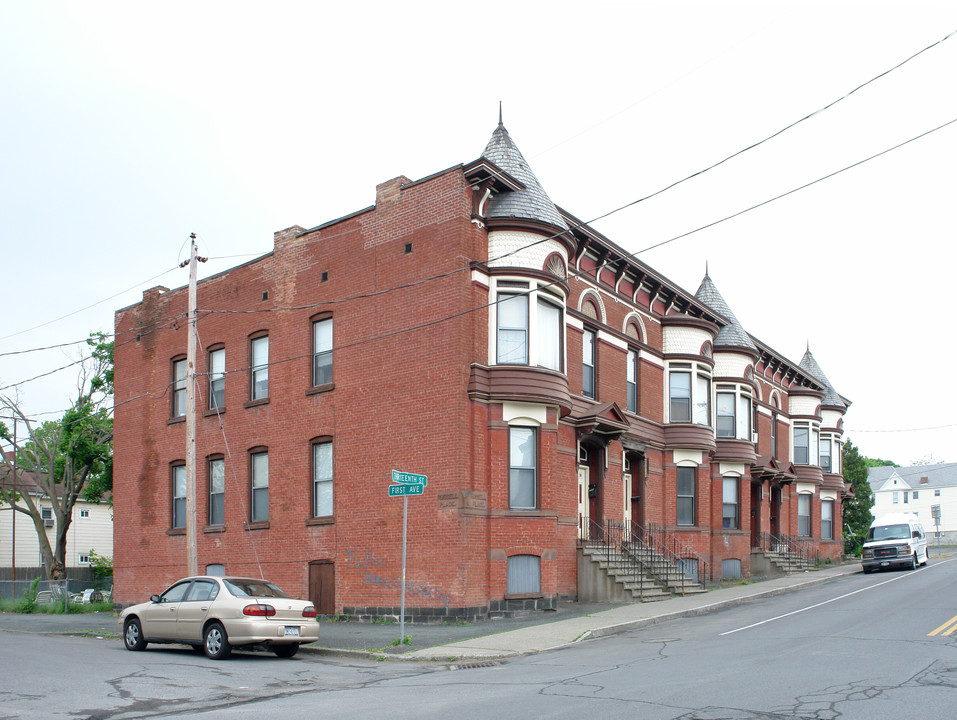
[322,586]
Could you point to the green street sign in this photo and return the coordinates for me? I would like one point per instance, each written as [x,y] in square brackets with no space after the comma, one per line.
[400,490]
[409,479]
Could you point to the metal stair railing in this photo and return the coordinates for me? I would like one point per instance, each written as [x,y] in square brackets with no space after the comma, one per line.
[610,539]
[795,551]
[673,553]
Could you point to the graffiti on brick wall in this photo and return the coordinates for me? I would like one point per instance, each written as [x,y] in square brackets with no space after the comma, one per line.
[367,562]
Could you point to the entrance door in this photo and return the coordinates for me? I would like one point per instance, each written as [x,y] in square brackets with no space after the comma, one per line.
[626,500]
[756,494]
[583,529]
[322,586]
[776,511]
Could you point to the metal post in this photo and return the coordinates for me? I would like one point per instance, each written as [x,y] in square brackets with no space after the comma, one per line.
[405,522]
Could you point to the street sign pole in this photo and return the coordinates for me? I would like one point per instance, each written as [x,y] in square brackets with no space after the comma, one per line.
[405,484]
[405,518]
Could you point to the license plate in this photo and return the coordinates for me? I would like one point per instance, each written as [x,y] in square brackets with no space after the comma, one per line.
[292,632]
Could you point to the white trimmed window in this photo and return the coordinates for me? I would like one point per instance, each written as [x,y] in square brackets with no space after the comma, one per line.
[322,484]
[179,496]
[322,352]
[689,394]
[729,507]
[733,408]
[804,516]
[259,374]
[588,364]
[259,486]
[631,381]
[179,389]
[529,326]
[686,495]
[522,468]
[827,519]
[217,491]
[217,378]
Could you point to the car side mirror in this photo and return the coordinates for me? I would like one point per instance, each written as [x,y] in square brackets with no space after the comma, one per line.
[155,598]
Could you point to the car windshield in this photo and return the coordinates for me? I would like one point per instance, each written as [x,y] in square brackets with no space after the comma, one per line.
[253,588]
[889,532]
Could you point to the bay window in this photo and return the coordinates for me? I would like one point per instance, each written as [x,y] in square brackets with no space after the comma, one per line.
[801,442]
[549,328]
[825,455]
[679,390]
[689,394]
[724,411]
[529,326]
[733,411]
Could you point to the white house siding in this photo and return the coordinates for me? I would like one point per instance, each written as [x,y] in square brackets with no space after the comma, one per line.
[921,506]
[94,532]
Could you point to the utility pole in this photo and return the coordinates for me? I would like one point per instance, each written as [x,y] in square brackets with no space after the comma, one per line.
[13,516]
[192,562]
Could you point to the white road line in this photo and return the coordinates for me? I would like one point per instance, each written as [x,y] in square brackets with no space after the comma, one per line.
[817,605]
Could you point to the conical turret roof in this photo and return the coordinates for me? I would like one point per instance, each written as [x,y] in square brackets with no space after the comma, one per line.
[732,334]
[810,366]
[533,202]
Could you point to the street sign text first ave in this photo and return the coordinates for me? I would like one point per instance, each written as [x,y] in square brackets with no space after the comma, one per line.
[399,490]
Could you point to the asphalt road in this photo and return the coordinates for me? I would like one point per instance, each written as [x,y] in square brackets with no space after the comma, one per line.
[861,647]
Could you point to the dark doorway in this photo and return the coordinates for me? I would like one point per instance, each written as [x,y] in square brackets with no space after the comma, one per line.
[776,511]
[322,586]
[756,497]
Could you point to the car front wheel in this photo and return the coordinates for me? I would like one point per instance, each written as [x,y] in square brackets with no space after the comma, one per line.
[913,562]
[286,651]
[215,643]
[133,635]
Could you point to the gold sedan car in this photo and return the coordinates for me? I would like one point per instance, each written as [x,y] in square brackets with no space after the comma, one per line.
[216,614]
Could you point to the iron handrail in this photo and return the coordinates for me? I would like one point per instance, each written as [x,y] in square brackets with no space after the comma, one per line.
[673,552]
[611,539]
[795,550]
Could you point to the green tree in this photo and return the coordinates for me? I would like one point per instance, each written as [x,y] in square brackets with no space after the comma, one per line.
[857,509]
[58,460]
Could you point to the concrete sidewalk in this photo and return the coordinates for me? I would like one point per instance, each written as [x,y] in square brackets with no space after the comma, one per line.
[571,623]
[621,618]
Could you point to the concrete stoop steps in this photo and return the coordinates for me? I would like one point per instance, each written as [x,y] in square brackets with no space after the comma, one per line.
[786,565]
[652,581]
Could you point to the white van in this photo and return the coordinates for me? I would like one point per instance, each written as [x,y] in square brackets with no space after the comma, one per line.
[894,540]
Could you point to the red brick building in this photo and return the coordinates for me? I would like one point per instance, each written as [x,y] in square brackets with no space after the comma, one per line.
[556,392]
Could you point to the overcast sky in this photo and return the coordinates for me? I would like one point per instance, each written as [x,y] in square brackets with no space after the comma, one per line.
[127,126]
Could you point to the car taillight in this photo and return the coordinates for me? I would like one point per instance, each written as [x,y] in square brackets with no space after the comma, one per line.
[309,611]
[259,610]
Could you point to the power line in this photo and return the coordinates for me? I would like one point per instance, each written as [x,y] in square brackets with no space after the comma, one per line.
[98,302]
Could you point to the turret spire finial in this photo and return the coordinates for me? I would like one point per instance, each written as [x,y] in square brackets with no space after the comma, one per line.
[500,113]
